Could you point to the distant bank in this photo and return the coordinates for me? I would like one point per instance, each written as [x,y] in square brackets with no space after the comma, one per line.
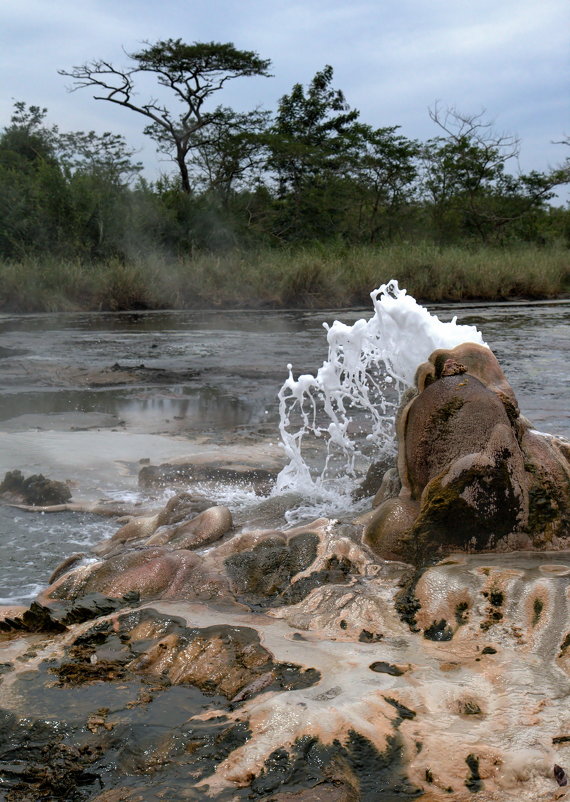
[310,277]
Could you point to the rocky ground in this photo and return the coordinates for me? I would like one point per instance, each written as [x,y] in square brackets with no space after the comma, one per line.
[196,656]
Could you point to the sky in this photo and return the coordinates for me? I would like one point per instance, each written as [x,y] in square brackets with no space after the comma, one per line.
[393,59]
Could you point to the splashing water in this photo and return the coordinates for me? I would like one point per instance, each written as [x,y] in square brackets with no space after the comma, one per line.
[349,407]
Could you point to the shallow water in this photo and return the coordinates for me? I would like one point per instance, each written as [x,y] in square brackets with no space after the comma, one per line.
[32,545]
[239,359]
[187,380]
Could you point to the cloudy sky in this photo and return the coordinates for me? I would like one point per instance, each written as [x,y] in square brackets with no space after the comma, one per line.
[392,58]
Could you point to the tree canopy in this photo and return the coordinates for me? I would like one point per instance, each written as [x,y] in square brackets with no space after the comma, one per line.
[310,171]
[466,181]
[191,73]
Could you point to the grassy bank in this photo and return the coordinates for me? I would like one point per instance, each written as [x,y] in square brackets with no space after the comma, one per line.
[315,277]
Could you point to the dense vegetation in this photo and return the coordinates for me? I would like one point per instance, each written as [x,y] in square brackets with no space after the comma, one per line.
[304,206]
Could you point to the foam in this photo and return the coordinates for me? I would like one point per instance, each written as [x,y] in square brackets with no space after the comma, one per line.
[351,402]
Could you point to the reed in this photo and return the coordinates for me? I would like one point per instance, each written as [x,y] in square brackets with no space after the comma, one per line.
[315,277]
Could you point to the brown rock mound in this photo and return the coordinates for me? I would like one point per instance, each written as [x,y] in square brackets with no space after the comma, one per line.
[474,476]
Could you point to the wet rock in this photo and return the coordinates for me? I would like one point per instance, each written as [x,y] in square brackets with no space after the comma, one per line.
[272,569]
[403,711]
[477,361]
[312,770]
[152,573]
[199,702]
[260,568]
[438,631]
[547,464]
[137,527]
[36,618]
[381,667]
[451,418]
[341,612]
[473,781]
[269,512]
[35,763]
[34,490]
[406,602]
[176,524]
[223,660]
[207,527]
[335,571]
[374,479]
[60,615]
[181,507]
[65,566]
[385,526]
[389,488]
[370,637]
[324,792]
[560,775]
[156,755]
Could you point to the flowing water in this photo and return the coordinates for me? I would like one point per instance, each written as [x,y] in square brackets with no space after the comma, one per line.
[87,398]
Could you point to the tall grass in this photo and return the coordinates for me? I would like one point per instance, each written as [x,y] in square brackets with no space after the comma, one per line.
[312,277]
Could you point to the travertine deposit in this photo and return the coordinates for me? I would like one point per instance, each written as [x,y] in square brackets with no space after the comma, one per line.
[421,651]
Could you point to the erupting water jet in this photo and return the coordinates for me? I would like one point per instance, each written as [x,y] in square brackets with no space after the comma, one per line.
[351,403]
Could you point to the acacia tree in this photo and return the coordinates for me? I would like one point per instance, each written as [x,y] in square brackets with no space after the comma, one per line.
[33,210]
[192,73]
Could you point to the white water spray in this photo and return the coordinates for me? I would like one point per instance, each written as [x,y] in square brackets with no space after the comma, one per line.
[349,406]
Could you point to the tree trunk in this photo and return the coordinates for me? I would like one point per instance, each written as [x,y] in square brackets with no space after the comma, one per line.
[184,177]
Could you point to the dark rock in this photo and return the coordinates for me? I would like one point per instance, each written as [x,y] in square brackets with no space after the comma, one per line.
[36,764]
[36,490]
[373,479]
[335,572]
[386,668]
[370,637]
[218,660]
[439,631]
[36,619]
[264,572]
[313,771]
[403,711]
[461,613]
[473,781]
[406,602]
